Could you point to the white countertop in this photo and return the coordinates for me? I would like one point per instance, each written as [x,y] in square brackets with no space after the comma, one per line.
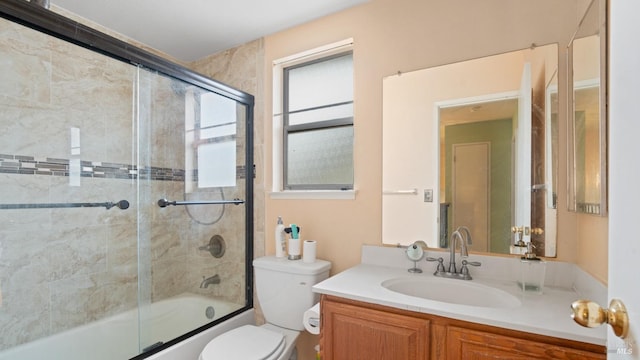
[545,314]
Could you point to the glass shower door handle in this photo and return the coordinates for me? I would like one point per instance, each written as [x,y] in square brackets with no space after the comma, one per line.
[164,202]
[122,205]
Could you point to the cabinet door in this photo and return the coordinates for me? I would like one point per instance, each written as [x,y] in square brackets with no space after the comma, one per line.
[476,345]
[356,333]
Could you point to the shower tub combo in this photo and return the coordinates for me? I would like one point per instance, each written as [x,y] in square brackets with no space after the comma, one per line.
[110,338]
[127,196]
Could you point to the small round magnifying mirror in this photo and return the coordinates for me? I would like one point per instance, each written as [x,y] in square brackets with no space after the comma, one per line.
[415,254]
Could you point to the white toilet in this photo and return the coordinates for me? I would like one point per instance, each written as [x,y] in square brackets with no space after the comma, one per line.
[284,291]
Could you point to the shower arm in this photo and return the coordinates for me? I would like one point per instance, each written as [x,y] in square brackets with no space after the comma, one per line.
[122,204]
[164,202]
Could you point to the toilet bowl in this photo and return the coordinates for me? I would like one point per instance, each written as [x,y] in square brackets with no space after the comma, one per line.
[284,291]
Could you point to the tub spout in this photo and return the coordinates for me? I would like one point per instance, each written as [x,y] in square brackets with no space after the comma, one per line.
[215,279]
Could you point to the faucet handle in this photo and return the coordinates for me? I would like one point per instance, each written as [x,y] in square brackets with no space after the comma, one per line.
[464,271]
[472,263]
[440,261]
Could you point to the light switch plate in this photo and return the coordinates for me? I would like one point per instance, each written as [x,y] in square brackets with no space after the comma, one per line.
[428,195]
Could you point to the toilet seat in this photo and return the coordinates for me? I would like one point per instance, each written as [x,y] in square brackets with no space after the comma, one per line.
[247,342]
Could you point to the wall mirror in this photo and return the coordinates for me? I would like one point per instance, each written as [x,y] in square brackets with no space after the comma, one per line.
[588,125]
[473,143]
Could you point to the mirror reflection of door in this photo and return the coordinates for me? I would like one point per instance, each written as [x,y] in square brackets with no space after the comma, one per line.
[471,191]
[415,108]
[477,184]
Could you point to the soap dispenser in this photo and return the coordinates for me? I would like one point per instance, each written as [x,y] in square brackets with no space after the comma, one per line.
[532,271]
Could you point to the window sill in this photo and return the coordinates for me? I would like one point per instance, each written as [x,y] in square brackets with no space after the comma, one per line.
[314,195]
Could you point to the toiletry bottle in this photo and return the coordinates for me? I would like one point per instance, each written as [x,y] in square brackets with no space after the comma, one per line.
[280,238]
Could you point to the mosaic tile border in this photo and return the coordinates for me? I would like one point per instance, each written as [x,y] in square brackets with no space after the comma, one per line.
[30,165]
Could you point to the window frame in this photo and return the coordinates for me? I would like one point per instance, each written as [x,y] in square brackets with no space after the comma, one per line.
[277,188]
[288,129]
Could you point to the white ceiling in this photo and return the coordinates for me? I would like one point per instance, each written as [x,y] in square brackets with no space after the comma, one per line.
[191,29]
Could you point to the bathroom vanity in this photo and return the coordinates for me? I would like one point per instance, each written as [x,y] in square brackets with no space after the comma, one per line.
[370,311]
[358,330]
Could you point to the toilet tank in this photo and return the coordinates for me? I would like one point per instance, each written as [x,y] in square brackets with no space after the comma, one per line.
[284,288]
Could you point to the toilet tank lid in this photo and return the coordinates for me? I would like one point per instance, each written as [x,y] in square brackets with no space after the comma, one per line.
[292,266]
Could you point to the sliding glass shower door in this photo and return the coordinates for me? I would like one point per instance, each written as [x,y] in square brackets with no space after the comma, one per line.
[125,196]
[192,170]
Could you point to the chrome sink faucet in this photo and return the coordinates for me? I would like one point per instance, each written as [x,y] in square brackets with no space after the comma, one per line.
[457,237]
[215,279]
[464,240]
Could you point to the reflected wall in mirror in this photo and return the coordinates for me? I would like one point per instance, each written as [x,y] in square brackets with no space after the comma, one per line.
[481,135]
[587,182]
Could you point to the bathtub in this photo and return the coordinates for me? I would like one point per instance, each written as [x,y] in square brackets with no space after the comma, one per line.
[116,337]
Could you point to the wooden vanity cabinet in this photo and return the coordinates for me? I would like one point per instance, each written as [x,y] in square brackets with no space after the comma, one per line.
[358,332]
[355,330]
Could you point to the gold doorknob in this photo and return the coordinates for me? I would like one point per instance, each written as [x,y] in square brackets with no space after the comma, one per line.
[590,314]
[537,231]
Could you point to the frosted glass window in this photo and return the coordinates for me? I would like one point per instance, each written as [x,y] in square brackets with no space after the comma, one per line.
[321,83]
[321,157]
[318,124]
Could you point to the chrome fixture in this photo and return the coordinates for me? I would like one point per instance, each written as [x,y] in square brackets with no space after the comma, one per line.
[164,202]
[210,312]
[464,240]
[464,271]
[122,204]
[213,280]
[216,246]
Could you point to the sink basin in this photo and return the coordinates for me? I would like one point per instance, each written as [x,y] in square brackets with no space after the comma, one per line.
[452,291]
